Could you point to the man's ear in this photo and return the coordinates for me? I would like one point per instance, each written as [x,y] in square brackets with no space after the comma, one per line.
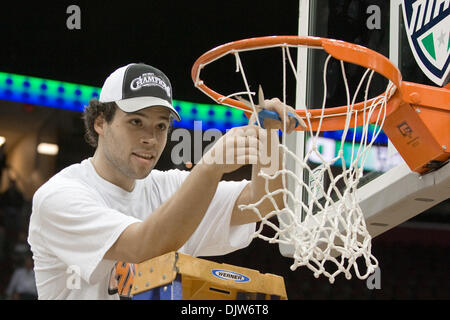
[99,124]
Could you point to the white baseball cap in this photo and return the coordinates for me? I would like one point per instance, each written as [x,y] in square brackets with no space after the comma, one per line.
[137,86]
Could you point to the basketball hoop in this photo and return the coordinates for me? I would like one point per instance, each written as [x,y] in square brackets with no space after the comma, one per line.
[332,228]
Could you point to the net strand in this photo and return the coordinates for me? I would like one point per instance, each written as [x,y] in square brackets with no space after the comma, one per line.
[328,233]
[240,68]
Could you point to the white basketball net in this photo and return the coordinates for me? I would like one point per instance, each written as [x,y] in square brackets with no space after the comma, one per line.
[328,236]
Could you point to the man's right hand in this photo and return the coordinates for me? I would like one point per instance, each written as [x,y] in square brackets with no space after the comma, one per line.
[238,147]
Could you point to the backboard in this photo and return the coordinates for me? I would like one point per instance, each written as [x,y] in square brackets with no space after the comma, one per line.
[380,26]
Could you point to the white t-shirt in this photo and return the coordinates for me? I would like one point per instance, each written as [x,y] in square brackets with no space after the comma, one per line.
[77,216]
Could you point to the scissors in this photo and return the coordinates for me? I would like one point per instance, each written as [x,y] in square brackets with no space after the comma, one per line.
[265,114]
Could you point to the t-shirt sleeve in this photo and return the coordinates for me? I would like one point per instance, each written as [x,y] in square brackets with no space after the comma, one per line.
[79,229]
[215,235]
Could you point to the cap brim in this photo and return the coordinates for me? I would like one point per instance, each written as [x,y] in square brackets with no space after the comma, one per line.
[138,103]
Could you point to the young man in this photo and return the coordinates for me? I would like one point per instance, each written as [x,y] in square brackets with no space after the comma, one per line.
[115,207]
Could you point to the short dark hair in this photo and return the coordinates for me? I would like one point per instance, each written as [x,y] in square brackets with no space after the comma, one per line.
[91,112]
[108,110]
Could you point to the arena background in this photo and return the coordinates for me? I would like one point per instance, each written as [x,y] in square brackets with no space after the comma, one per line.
[171,35]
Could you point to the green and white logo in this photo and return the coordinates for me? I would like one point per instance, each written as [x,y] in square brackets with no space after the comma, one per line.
[427,24]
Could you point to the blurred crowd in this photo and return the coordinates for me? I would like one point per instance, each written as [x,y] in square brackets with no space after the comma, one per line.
[17,279]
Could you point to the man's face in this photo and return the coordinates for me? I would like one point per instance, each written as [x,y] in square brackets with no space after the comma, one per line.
[133,142]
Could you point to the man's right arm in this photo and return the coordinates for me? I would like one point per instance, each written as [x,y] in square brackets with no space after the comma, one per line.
[171,225]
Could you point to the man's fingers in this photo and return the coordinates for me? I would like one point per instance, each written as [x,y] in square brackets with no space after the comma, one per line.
[301,122]
[287,114]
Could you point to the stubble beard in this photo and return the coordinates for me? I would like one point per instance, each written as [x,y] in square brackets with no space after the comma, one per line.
[120,161]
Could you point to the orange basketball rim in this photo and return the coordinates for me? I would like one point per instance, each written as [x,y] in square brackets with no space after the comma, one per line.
[424,110]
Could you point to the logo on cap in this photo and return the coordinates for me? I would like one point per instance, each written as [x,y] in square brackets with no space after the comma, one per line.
[149,80]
